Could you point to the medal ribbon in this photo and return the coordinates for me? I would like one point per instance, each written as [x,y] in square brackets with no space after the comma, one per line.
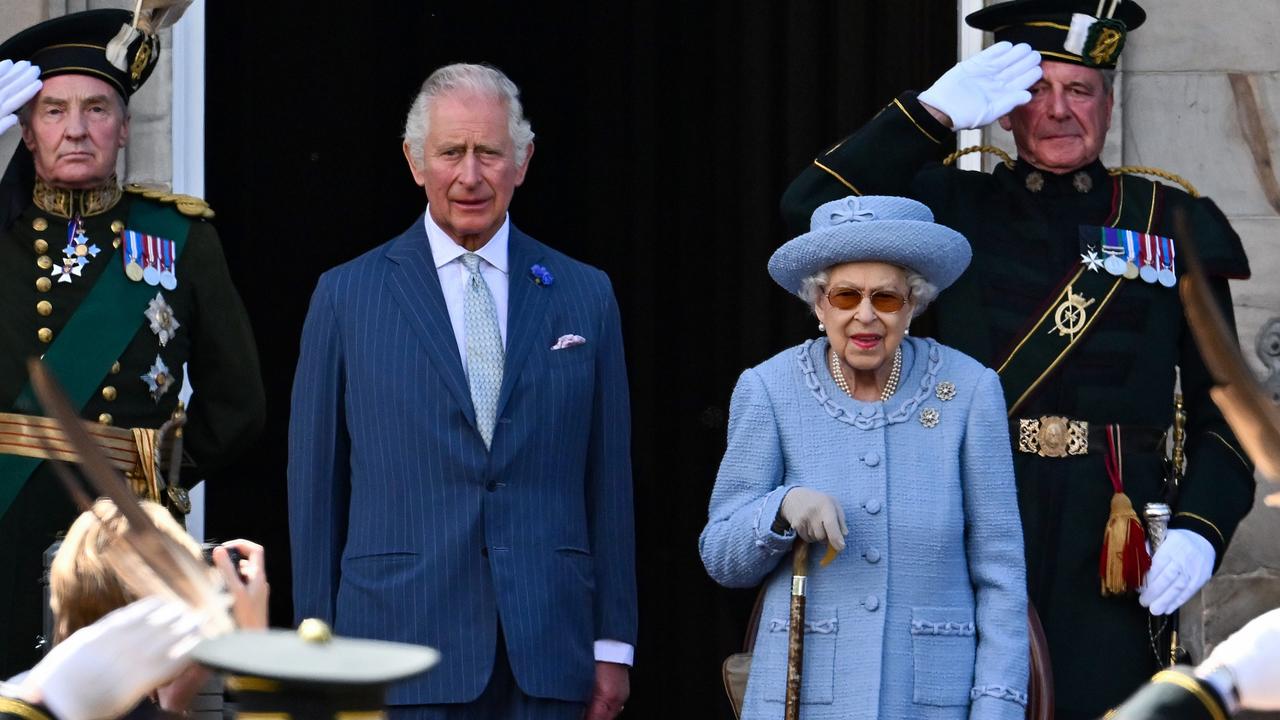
[1130,245]
[1166,254]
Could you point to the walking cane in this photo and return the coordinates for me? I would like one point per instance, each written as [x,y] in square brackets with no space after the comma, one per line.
[795,637]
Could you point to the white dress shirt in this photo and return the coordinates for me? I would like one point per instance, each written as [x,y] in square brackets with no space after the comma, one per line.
[496,272]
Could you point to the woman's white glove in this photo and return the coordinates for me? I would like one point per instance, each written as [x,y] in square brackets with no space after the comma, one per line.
[1252,656]
[103,670]
[978,91]
[1181,566]
[19,82]
[815,516]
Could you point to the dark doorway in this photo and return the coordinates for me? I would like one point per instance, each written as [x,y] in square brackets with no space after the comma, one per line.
[665,135]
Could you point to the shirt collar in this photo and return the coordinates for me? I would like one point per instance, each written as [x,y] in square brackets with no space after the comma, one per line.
[444,250]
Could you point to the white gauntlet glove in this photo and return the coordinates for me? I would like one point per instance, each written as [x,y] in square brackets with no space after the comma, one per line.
[18,83]
[815,516]
[103,670]
[1181,566]
[1252,657]
[978,91]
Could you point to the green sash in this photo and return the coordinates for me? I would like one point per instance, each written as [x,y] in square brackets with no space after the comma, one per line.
[97,333]
[1076,305]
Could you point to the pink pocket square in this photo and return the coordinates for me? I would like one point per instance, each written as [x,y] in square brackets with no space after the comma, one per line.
[568,341]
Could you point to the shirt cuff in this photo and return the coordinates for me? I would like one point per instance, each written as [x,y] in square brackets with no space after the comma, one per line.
[615,651]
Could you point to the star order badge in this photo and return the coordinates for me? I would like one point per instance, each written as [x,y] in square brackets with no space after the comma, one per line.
[163,322]
[1091,260]
[158,379]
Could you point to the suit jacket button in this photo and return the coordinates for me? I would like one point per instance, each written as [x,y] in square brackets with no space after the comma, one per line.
[491,486]
[872,458]
[484,552]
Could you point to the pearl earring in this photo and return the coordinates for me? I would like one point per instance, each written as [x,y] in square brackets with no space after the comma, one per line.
[822,328]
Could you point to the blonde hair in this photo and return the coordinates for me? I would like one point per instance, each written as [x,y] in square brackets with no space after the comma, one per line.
[82,585]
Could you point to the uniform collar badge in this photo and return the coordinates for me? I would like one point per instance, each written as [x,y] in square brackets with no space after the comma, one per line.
[163,322]
[158,379]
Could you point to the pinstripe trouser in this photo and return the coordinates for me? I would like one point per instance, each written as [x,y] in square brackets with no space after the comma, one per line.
[502,699]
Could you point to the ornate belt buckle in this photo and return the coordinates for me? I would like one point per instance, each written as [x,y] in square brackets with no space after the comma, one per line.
[1053,436]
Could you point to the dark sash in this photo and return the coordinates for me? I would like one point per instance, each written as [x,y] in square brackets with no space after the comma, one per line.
[1077,303]
[96,335]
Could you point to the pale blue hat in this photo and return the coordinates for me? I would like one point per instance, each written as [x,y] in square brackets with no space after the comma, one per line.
[873,228]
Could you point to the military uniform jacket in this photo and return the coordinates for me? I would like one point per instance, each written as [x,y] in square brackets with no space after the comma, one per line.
[1025,233]
[213,338]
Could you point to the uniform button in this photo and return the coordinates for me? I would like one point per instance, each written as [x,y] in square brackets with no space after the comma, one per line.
[45,335]
[44,262]
[872,506]
[39,224]
[45,308]
[872,555]
[116,243]
[116,226]
[105,418]
[872,458]
[115,367]
[872,603]
[867,411]
[109,393]
[43,284]
[40,246]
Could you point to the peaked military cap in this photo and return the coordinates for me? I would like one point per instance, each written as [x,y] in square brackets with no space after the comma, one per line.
[310,673]
[104,44]
[1081,32]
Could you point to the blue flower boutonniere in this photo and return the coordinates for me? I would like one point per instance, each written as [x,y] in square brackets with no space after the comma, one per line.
[541,276]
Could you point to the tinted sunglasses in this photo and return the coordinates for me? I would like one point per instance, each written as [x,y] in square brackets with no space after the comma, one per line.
[847,298]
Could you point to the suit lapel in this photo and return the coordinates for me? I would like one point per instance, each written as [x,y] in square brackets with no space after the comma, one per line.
[526,306]
[415,284]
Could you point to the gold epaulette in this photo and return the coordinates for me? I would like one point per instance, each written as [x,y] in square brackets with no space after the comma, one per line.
[1157,172]
[188,205]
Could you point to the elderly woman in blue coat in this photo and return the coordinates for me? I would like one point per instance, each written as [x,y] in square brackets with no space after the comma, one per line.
[894,451]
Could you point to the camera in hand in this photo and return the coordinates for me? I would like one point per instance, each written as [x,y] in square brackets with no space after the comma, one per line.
[206,549]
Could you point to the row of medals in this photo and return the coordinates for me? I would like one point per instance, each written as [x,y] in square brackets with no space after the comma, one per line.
[1129,270]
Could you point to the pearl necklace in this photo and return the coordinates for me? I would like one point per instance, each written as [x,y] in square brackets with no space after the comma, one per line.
[890,387]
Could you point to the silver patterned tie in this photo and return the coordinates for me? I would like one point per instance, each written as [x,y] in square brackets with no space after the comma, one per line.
[484,347]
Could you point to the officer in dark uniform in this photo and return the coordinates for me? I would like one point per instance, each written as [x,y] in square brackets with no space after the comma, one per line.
[121,291]
[1072,297]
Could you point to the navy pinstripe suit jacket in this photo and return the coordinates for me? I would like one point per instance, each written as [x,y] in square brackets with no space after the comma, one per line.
[405,528]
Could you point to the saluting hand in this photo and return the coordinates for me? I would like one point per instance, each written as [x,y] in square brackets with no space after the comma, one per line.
[19,82]
[979,90]
[815,516]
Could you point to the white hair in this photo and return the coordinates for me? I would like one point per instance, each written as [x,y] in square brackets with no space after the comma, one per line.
[920,292]
[468,78]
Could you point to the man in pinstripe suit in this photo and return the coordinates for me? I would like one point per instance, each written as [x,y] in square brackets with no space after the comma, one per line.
[459,470]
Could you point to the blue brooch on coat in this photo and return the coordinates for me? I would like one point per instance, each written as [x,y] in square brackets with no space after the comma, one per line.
[541,276]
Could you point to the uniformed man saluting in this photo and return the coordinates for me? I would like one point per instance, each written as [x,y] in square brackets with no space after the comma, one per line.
[117,291]
[1072,297]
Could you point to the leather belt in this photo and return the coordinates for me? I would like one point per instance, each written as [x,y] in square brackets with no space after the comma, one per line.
[1054,436]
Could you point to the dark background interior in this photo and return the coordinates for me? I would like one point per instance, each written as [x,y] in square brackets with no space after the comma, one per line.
[665,135]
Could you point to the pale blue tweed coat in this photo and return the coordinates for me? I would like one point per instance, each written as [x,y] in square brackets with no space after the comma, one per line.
[924,614]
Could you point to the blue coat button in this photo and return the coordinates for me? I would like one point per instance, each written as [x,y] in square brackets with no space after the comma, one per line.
[872,555]
[872,603]
[872,458]
[867,411]
[872,506]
